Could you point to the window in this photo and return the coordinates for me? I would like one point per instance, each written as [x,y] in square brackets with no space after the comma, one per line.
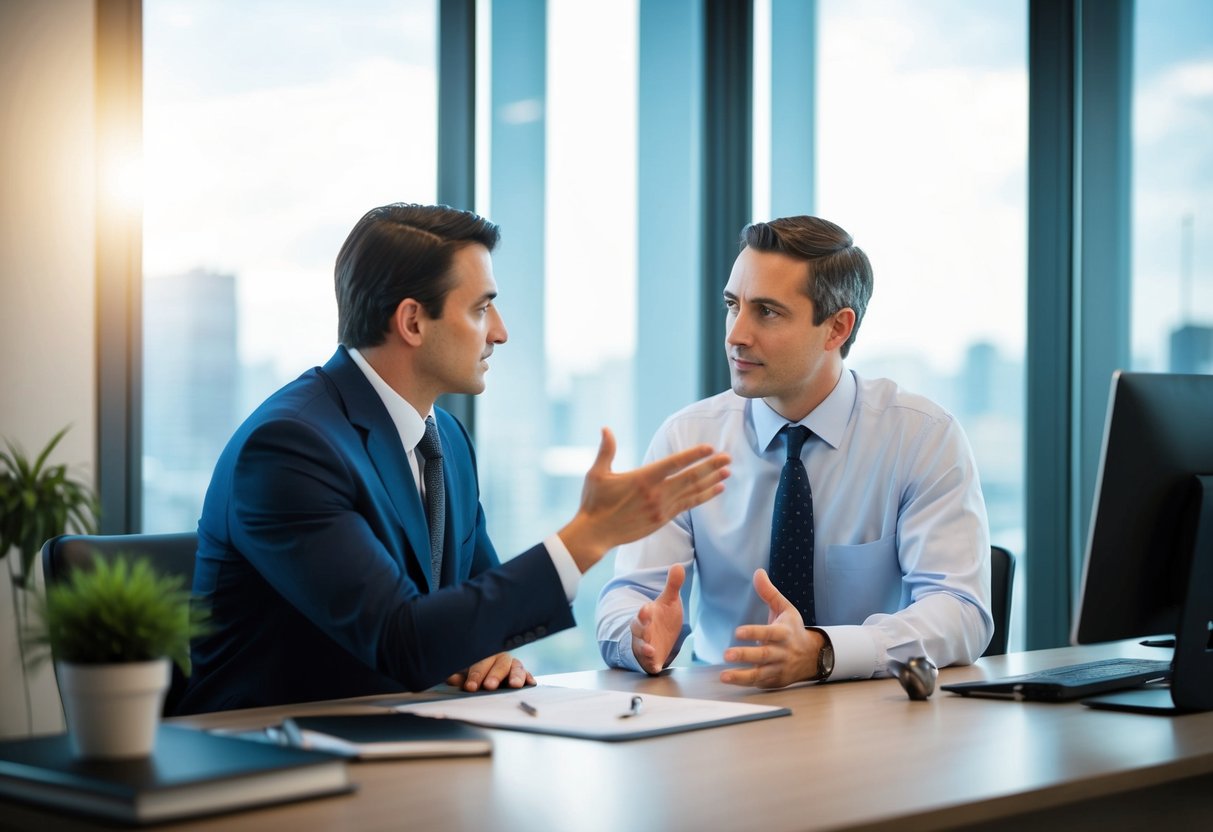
[1172,191]
[921,134]
[562,183]
[267,136]
[269,128]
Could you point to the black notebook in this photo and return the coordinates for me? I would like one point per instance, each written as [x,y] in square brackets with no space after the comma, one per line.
[1070,682]
[190,773]
[392,735]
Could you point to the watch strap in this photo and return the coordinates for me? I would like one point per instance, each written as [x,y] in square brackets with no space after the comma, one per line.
[825,657]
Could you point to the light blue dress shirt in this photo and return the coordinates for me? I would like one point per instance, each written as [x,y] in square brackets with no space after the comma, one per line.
[902,549]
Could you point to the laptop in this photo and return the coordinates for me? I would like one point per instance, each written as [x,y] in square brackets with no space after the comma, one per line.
[1069,682]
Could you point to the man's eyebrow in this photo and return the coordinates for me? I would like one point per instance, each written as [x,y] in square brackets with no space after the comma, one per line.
[772,302]
[487,296]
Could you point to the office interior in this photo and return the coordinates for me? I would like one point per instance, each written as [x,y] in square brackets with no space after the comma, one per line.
[1030,178]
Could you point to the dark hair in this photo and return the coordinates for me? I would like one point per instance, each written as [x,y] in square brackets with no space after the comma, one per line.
[840,275]
[396,252]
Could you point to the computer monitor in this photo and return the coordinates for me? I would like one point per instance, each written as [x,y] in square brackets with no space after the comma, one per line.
[1149,561]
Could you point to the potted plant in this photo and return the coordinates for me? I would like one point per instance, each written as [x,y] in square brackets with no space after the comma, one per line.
[112,630]
[37,502]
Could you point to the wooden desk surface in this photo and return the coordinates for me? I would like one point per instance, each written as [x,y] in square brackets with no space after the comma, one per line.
[853,755]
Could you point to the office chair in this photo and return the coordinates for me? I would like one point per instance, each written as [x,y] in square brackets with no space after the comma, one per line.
[1002,577]
[169,554]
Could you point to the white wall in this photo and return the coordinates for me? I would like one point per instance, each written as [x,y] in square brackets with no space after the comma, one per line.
[47,272]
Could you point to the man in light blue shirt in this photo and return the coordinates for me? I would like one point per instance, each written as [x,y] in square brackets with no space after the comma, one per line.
[901,548]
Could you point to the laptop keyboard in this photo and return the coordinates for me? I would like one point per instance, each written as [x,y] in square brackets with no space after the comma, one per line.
[1102,670]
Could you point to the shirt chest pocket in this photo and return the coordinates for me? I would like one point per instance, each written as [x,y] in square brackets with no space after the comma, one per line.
[861,580]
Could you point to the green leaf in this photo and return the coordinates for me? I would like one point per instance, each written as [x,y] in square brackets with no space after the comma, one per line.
[117,611]
[39,501]
[47,450]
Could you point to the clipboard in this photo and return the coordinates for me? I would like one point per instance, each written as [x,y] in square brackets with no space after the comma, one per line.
[605,715]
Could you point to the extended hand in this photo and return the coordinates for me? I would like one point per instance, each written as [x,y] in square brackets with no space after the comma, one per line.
[620,508]
[785,652]
[657,624]
[491,672]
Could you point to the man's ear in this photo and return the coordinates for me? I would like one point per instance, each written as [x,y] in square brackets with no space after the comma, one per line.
[409,322]
[841,327]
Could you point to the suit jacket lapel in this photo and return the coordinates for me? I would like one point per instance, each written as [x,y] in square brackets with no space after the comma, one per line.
[366,411]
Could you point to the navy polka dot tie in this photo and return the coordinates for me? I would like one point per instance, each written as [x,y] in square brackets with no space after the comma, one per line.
[792,529]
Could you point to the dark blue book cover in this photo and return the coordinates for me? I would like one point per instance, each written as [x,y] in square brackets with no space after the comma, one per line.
[190,773]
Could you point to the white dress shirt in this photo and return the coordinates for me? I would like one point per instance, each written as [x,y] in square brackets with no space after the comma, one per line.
[902,543]
[411,426]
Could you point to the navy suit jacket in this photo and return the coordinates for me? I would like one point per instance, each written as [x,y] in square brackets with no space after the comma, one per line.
[314,553]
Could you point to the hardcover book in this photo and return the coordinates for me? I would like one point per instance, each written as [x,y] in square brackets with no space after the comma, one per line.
[190,773]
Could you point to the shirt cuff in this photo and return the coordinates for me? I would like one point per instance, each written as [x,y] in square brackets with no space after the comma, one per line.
[566,567]
[854,652]
[624,656]
[619,653]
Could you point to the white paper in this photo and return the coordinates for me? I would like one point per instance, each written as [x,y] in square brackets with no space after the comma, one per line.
[592,714]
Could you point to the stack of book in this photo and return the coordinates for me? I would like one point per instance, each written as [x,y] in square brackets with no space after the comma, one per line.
[190,773]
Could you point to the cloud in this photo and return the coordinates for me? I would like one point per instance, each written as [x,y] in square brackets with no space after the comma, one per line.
[923,160]
[266,183]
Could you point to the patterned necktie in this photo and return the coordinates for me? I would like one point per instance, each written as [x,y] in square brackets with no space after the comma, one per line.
[792,529]
[435,495]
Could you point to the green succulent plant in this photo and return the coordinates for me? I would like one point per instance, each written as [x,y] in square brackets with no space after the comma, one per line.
[120,610]
[38,502]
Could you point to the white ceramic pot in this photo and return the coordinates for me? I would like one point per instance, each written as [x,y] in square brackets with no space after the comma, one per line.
[113,709]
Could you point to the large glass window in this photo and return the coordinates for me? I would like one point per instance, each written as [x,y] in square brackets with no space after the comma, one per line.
[269,128]
[266,136]
[563,180]
[921,134]
[1172,197]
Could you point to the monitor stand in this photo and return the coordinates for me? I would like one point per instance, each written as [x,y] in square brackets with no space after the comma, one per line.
[1191,686]
[1152,699]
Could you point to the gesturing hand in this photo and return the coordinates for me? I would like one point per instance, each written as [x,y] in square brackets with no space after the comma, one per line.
[657,624]
[620,508]
[785,651]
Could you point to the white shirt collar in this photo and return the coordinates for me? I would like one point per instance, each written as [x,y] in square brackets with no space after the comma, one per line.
[409,423]
[828,420]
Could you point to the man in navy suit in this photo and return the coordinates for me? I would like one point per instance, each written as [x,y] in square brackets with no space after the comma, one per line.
[314,555]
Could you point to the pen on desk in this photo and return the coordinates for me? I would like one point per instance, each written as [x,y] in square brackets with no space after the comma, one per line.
[292,733]
[529,708]
[634,710]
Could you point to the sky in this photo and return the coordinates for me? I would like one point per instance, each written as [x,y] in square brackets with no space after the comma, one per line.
[269,129]
[922,147]
[1172,173]
[271,126]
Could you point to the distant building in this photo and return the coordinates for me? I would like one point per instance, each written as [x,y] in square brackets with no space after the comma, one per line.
[1192,349]
[191,390]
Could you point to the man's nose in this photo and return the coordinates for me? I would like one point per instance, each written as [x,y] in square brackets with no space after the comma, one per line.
[737,330]
[497,332]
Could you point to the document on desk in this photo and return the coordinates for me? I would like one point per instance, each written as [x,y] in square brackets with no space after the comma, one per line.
[592,714]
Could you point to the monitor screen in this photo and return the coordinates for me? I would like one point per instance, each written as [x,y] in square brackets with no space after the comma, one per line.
[1158,437]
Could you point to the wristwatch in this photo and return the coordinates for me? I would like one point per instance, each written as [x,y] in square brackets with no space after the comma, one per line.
[825,658]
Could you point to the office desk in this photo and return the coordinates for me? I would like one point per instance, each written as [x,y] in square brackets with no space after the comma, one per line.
[855,755]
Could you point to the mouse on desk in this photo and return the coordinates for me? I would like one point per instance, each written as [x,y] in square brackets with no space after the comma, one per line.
[917,677]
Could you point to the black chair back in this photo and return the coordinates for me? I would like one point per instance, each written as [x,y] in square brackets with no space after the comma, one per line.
[1002,578]
[169,554]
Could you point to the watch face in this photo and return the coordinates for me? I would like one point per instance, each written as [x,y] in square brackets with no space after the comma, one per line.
[825,662]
